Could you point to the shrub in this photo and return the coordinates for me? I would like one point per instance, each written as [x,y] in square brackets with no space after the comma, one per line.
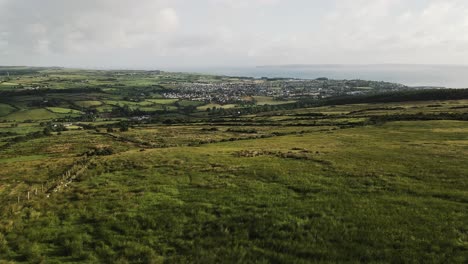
[32,253]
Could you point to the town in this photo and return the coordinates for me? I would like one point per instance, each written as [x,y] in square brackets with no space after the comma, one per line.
[242,89]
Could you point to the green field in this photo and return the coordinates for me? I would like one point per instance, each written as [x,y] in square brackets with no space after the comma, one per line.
[210,106]
[8,84]
[33,114]
[185,103]
[344,197]
[163,101]
[60,110]
[266,100]
[88,103]
[6,109]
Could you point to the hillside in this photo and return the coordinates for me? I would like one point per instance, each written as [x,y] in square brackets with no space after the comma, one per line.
[92,175]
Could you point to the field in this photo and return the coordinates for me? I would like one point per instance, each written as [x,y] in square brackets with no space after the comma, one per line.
[210,106]
[33,114]
[266,100]
[377,182]
[87,104]
[6,109]
[60,110]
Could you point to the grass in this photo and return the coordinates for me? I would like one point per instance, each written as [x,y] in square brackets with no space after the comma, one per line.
[185,103]
[163,101]
[60,110]
[266,100]
[122,103]
[307,185]
[22,159]
[210,106]
[6,109]
[19,128]
[347,201]
[204,204]
[31,114]
[87,104]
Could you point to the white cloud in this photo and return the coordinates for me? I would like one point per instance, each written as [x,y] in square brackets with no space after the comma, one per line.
[225,32]
[391,31]
[92,26]
[167,20]
[246,3]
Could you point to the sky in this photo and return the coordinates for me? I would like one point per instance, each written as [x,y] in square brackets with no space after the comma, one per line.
[231,33]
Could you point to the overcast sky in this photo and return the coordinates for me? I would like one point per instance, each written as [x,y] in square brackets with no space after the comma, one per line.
[205,33]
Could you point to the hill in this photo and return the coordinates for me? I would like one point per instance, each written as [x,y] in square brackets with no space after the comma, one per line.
[97,176]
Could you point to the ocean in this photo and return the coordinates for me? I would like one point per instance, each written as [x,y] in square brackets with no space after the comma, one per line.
[451,76]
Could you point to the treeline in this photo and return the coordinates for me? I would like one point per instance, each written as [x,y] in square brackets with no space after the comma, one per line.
[398,96]
[139,92]
[4,70]
[23,138]
[253,109]
[387,97]
[418,117]
[44,91]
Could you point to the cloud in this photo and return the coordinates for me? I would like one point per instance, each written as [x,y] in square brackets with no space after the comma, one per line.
[245,3]
[395,28]
[225,32]
[88,26]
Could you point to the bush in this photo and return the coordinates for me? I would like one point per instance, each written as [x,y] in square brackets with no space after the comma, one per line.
[32,253]
[210,129]
[75,245]
[3,244]
[105,151]
[239,130]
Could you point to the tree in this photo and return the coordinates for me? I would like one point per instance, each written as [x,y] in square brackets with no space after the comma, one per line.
[47,131]
[123,126]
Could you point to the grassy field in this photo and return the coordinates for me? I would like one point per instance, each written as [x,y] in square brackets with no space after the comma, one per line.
[84,179]
[266,100]
[87,104]
[163,101]
[32,114]
[323,196]
[60,110]
[210,106]
[6,109]
[364,194]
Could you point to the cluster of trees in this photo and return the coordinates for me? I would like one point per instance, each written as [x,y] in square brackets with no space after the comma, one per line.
[104,151]
[122,126]
[19,70]
[252,109]
[139,93]
[126,111]
[399,96]
[7,134]
[418,117]
[29,136]
[45,91]
[243,130]
[52,102]
[50,127]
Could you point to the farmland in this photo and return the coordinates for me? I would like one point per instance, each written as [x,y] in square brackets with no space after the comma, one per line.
[101,167]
